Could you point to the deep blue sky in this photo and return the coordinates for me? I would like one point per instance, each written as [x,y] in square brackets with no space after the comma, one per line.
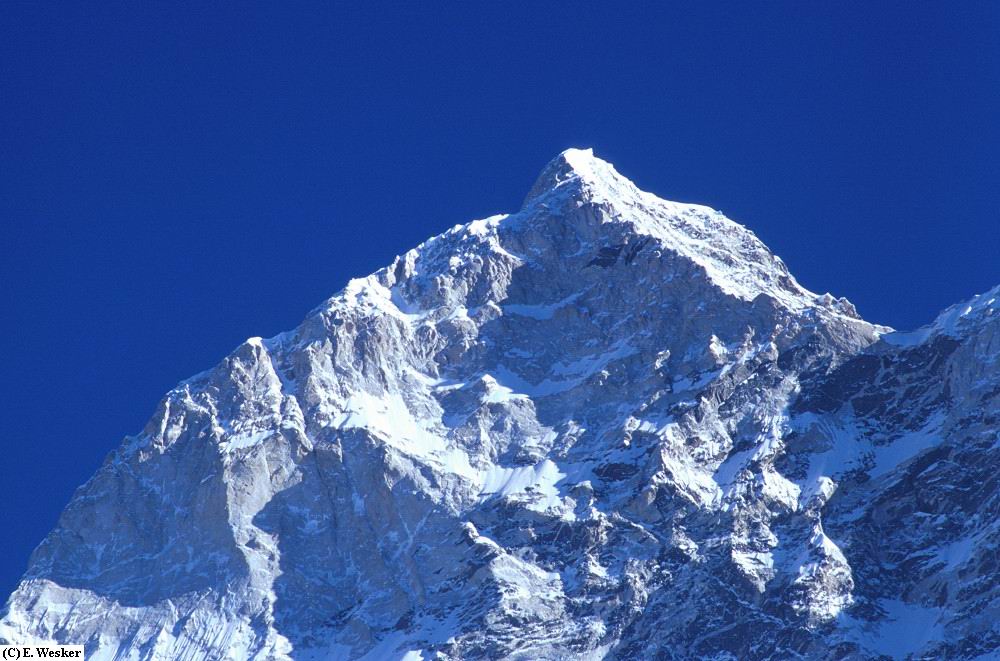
[176,179]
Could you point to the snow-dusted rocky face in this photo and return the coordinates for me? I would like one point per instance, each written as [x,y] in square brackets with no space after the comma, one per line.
[606,425]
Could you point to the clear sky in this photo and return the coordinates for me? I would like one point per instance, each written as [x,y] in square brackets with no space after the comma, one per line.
[175,179]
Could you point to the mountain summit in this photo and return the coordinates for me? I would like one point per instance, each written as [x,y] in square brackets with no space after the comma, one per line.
[606,426]
[579,166]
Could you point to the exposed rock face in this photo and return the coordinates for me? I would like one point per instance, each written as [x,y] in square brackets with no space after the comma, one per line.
[605,426]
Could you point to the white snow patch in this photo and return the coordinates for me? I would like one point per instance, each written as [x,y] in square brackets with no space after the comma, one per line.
[245,440]
[389,418]
[888,457]
[957,553]
[539,479]
[497,393]
[753,561]
[851,448]
[781,489]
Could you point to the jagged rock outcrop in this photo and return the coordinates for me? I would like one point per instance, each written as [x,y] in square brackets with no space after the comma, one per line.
[605,426]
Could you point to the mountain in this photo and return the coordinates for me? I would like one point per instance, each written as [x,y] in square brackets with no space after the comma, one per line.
[605,426]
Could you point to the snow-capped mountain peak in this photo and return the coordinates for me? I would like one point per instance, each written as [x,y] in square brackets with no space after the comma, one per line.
[730,255]
[581,169]
[956,321]
[606,425]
